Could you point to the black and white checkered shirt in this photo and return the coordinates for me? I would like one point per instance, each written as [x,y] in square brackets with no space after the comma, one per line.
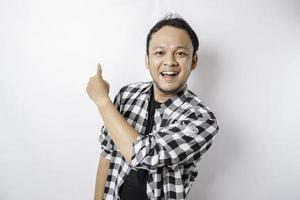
[183,131]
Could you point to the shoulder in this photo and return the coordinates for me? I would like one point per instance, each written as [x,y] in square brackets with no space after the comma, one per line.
[134,89]
[197,106]
[138,86]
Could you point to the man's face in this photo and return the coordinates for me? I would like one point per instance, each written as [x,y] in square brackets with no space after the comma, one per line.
[170,59]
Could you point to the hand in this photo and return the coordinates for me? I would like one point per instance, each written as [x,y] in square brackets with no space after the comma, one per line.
[97,87]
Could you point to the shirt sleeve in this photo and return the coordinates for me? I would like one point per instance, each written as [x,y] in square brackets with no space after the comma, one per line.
[107,145]
[182,142]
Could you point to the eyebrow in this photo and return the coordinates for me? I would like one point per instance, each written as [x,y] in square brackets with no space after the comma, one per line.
[178,47]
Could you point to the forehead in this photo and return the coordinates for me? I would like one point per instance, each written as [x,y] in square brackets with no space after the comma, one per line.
[169,36]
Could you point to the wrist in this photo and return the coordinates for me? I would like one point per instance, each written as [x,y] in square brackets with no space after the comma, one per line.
[100,102]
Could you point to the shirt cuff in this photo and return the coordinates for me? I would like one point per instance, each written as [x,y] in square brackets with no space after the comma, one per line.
[106,153]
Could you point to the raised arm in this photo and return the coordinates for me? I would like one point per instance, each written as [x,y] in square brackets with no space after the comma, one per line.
[119,129]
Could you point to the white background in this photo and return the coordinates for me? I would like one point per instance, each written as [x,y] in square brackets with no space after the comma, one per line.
[248,74]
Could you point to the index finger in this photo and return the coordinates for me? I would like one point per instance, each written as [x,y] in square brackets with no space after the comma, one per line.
[99,69]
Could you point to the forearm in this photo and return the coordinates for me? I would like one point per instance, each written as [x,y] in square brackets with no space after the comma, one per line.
[120,131]
[101,177]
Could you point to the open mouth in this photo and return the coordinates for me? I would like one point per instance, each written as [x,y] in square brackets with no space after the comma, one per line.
[169,75]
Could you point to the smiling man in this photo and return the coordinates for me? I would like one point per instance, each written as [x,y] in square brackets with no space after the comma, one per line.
[154,132]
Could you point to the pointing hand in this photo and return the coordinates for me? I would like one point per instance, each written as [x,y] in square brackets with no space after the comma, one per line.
[98,88]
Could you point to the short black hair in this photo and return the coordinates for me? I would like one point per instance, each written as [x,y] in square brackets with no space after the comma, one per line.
[176,21]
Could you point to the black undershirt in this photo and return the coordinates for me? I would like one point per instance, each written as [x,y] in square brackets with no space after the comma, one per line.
[134,187]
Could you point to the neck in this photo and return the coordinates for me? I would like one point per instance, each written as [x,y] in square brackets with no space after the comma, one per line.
[160,96]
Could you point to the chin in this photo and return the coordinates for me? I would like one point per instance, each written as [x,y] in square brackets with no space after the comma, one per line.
[169,90]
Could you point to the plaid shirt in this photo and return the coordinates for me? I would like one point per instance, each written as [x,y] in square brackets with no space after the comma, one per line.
[183,131]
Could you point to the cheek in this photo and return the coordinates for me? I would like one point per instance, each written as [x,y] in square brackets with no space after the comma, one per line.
[154,63]
[186,61]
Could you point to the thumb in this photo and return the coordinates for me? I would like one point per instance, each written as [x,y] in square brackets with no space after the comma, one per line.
[99,70]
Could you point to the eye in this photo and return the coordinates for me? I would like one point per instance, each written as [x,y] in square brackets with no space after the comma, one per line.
[181,53]
[159,53]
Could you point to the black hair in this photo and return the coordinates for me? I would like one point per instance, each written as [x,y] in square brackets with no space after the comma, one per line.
[176,21]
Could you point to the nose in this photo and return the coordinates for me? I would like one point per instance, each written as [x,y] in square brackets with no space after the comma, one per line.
[170,60]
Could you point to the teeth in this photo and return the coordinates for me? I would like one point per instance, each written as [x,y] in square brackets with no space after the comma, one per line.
[169,73]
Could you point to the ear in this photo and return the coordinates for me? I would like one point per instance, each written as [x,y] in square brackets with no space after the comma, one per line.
[194,62]
[147,61]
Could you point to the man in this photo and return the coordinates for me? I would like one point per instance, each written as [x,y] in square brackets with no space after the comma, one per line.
[154,132]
